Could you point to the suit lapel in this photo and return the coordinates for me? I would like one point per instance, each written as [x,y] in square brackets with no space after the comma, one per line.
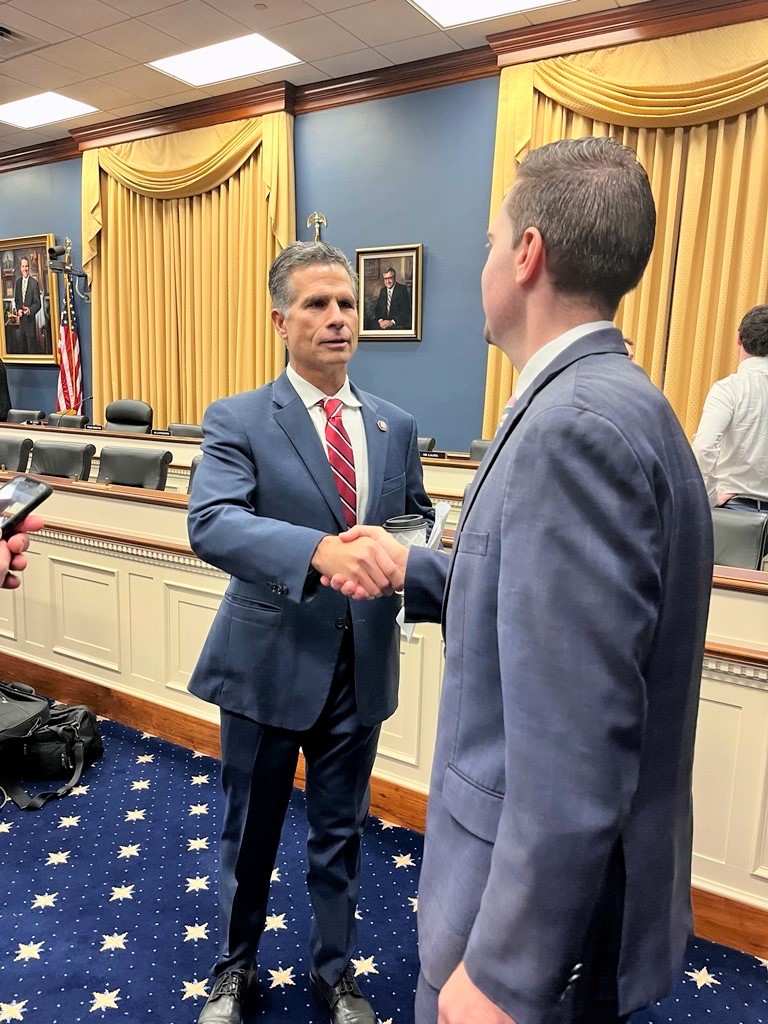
[377,442]
[292,416]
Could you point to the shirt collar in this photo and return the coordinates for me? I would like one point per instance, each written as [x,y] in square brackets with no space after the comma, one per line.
[759,363]
[541,359]
[310,395]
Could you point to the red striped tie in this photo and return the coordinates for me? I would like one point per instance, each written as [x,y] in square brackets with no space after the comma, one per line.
[341,458]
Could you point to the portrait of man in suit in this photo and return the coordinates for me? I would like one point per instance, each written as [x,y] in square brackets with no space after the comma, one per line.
[393,306]
[27,302]
[555,886]
[291,664]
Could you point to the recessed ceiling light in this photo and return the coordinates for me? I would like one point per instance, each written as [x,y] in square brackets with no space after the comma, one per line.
[45,108]
[248,55]
[450,13]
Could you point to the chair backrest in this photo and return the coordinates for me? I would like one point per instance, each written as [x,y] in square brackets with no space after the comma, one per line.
[185,429]
[426,444]
[750,501]
[67,419]
[24,415]
[14,453]
[741,537]
[134,468]
[62,459]
[478,448]
[128,415]
[192,470]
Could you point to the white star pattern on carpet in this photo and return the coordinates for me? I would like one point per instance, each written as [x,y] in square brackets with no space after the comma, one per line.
[121,892]
[403,860]
[275,922]
[46,899]
[113,942]
[364,966]
[105,1000]
[12,1011]
[195,932]
[29,951]
[195,989]
[702,977]
[282,977]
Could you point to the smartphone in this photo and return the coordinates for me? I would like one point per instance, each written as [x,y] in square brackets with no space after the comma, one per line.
[18,497]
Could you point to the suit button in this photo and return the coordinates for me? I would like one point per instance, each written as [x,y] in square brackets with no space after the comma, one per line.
[341,623]
[283,590]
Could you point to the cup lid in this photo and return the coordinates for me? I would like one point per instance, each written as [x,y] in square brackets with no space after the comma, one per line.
[398,524]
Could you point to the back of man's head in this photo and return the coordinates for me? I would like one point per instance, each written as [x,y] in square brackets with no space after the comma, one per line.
[296,256]
[753,331]
[592,204]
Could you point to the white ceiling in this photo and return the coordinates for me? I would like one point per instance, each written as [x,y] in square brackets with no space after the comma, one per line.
[95,50]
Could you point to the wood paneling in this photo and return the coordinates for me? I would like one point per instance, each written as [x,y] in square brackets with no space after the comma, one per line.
[730,922]
[745,581]
[742,655]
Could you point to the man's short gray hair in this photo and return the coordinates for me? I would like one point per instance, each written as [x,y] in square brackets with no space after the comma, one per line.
[294,257]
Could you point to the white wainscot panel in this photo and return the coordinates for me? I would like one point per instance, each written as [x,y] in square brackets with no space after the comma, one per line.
[189,613]
[400,733]
[33,600]
[717,741]
[143,638]
[9,606]
[86,612]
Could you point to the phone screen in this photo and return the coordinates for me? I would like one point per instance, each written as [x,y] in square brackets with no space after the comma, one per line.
[18,497]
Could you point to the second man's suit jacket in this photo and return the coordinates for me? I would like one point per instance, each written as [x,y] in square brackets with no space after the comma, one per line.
[400,308]
[558,851]
[263,498]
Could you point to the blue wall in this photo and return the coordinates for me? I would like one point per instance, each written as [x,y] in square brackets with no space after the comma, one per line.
[40,201]
[413,168]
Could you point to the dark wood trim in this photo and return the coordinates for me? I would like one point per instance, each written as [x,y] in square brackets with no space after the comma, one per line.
[730,922]
[620,25]
[741,655]
[455,463]
[745,581]
[140,494]
[35,156]
[118,537]
[432,73]
[88,436]
[265,99]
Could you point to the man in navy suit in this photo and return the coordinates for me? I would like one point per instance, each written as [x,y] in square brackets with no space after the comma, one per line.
[285,469]
[393,306]
[26,297]
[556,879]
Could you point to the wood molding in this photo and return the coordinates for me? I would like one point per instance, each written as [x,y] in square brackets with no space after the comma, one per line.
[35,156]
[170,499]
[431,73]
[80,434]
[746,581]
[119,537]
[716,917]
[621,25]
[264,99]
[741,655]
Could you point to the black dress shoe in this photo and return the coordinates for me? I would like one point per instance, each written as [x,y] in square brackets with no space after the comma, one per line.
[344,999]
[225,1003]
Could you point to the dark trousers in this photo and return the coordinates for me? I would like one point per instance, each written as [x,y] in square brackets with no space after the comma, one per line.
[258,763]
[426,1009]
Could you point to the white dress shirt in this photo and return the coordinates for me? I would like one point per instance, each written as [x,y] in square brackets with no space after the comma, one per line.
[351,417]
[541,359]
[731,444]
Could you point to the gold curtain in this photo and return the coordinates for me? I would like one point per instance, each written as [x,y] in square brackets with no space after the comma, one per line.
[709,181]
[178,235]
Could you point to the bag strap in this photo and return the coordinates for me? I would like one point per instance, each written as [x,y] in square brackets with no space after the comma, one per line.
[25,802]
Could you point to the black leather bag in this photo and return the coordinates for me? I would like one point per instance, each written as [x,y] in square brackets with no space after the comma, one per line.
[21,711]
[64,742]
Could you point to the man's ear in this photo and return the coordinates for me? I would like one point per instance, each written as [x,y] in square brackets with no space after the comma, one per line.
[530,256]
[279,321]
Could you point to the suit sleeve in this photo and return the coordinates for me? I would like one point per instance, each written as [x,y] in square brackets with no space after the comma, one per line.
[578,597]
[34,301]
[224,528]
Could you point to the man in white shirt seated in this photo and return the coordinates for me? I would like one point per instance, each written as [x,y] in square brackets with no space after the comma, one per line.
[731,444]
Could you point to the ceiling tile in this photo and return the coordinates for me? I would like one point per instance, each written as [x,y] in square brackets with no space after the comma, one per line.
[326,6]
[353,63]
[183,96]
[384,21]
[476,35]
[43,75]
[100,93]
[298,74]
[314,38]
[278,12]
[12,89]
[74,16]
[571,9]
[138,8]
[22,139]
[420,48]
[137,40]
[21,22]
[84,56]
[146,83]
[195,23]
[234,85]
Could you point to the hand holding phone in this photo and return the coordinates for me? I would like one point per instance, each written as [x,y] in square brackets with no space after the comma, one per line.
[18,497]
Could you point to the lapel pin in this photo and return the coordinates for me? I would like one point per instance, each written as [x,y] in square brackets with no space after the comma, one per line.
[382,425]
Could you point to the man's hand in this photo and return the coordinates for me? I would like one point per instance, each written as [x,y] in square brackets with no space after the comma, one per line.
[12,555]
[462,1002]
[384,324]
[364,565]
[397,554]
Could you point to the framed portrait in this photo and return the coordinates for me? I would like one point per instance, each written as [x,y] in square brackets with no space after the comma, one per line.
[389,301]
[30,313]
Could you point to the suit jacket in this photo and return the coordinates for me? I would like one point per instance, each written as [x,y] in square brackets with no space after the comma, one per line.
[263,497]
[400,308]
[32,299]
[557,861]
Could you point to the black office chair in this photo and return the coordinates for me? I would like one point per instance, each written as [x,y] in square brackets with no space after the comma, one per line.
[25,415]
[67,419]
[133,468]
[64,459]
[426,444]
[192,470]
[14,454]
[185,430]
[128,415]
[478,448]
[741,537]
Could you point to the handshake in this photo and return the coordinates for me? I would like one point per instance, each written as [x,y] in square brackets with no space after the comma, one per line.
[363,563]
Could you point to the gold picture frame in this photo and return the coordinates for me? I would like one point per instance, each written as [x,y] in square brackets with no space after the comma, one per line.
[395,317]
[31,337]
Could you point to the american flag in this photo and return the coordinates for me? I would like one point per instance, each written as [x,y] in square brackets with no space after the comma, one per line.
[69,396]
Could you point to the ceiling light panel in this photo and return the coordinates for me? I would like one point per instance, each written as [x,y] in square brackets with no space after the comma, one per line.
[236,58]
[451,13]
[45,108]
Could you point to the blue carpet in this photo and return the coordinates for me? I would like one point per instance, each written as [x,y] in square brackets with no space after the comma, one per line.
[108,908]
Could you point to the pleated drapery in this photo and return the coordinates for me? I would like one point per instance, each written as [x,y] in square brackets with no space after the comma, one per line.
[178,235]
[694,107]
